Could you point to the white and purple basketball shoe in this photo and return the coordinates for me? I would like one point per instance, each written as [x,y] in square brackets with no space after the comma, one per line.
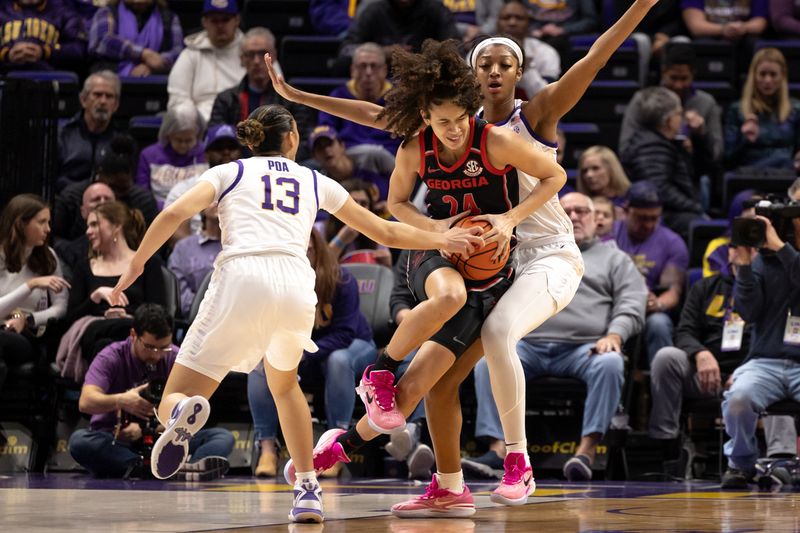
[307,502]
[172,447]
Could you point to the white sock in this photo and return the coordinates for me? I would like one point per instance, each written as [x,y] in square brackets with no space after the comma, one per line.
[519,447]
[452,482]
[305,477]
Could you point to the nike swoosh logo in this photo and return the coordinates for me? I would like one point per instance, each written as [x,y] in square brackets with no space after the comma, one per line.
[431,170]
[459,341]
[369,398]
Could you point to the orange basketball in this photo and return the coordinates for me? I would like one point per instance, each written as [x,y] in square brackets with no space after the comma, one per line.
[478,266]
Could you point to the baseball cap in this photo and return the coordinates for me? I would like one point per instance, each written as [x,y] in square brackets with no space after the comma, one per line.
[220,132]
[320,132]
[643,194]
[220,6]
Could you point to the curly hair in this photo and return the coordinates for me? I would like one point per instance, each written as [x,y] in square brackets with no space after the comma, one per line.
[434,76]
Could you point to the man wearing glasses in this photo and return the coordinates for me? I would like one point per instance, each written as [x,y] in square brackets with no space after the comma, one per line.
[583,341]
[114,391]
[254,90]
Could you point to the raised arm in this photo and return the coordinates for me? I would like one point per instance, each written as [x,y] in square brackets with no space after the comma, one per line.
[359,111]
[195,200]
[555,100]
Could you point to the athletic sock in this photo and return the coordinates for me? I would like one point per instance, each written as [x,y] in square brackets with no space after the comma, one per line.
[385,362]
[306,477]
[519,447]
[351,441]
[453,482]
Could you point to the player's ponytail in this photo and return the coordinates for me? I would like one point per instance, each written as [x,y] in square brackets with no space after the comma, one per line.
[265,128]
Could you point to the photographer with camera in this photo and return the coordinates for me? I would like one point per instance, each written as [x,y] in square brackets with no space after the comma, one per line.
[766,295]
[122,388]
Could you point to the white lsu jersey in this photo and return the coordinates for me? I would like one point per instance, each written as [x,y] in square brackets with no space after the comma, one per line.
[269,204]
[549,223]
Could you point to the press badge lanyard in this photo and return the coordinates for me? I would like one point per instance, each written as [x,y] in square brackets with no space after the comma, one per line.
[792,334]
[732,329]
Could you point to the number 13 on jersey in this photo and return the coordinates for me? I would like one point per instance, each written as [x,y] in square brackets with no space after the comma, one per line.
[290,189]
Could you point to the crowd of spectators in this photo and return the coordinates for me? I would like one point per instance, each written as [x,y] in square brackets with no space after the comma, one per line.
[636,202]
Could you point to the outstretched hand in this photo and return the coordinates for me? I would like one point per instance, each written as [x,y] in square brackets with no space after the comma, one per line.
[278,83]
[118,299]
[463,241]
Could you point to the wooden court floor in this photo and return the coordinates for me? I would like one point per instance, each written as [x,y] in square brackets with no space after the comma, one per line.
[74,502]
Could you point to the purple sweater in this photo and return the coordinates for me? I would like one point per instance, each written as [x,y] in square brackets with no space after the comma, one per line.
[785,17]
[160,168]
[53,25]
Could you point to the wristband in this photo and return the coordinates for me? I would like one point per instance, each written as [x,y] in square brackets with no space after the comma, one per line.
[339,243]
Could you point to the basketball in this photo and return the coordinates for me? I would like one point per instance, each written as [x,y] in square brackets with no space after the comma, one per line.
[478,266]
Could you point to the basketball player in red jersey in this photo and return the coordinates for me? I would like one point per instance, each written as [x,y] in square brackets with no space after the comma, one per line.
[550,258]
[467,164]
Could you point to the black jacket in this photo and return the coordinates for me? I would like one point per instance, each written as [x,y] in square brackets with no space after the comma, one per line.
[651,156]
[702,320]
[77,150]
[227,109]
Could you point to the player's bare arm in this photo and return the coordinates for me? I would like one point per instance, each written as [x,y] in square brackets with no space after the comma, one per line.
[359,111]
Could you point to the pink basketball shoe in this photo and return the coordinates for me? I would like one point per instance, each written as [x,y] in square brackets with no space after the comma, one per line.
[327,453]
[377,391]
[437,503]
[517,483]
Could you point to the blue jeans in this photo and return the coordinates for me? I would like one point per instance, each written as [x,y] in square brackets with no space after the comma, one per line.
[97,452]
[657,333]
[757,384]
[342,369]
[602,373]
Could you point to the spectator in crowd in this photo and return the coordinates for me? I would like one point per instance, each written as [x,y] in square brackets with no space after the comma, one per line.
[115,167]
[193,257]
[583,341]
[367,82]
[221,147]
[347,244]
[178,154]
[75,246]
[730,21]
[762,129]
[702,115]
[655,154]
[118,394]
[403,23]
[605,213]
[600,174]
[661,257]
[331,17]
[210,62]
[785,18]
[794,191]
[32,287]
[137,37]
[345,344]
[543,64]
[255,89]
[40,35]
[114,232]
[81,137]
[715,257]
[766,295]
[335,162]
[699,365]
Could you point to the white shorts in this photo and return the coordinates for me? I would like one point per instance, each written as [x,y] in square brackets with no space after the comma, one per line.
[562,264]
[255,307]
